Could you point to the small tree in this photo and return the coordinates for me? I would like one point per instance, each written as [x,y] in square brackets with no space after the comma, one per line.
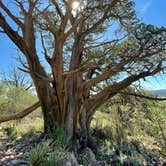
[81,58]
[15,77]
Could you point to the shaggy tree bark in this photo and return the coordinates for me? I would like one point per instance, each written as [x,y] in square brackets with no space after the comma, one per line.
[83,66]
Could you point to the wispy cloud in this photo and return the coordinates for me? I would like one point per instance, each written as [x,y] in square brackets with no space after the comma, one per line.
[146,6]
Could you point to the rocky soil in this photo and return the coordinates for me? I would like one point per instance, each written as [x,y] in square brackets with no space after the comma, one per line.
[12,152]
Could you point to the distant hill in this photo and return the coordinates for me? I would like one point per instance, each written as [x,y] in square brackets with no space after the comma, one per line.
[161,92]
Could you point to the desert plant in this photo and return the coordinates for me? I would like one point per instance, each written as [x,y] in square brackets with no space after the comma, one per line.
[55,158]
[35,157]
[51,152]
[58,138]
[14,99]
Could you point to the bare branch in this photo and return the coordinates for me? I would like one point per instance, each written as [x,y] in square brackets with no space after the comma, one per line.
[51,27]
[22,62]
[142,96]
[58,8]
[79,71]
[74,26]
[21,114]
[44,78]
[20,5]
[14,18]
[95,25]
[32,5]
[110,91]
[24,70]
[45,49]
[13,35]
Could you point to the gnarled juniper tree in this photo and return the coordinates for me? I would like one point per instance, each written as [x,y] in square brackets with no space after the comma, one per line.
[94,51]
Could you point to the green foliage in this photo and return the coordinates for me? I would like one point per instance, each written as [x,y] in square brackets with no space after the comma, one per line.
[56,133]
[58,137]
[51,152]
[37,154]
[46,154]
[133,130]
[14,99]
[55,158]
[156,114]
[33,127]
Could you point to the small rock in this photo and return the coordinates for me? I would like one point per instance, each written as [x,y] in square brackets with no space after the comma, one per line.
[87,157]
[70,160]
[12,156]
[13,162]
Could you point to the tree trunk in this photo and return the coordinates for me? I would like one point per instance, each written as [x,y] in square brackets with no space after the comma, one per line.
[78,127]
[75,122]
[49,107]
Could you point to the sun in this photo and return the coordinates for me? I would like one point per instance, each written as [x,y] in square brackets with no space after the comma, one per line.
[75,5]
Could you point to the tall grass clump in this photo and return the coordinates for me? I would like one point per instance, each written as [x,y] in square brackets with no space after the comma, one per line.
[51,152]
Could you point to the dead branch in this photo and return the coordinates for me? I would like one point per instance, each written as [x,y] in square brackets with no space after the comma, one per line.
[143,96]
[14,18]
[21,114]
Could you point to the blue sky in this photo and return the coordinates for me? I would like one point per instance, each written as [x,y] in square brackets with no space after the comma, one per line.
[149,11]
[153,12]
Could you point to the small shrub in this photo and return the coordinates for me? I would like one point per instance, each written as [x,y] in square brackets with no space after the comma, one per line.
[55,158]
[35,157]
[57,133]
[58,138]
[51,152]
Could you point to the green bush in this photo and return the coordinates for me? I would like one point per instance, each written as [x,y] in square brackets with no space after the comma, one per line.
[55,158]
[134,126]
[35,157]
[51,152]
[14,99]
[58,137]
